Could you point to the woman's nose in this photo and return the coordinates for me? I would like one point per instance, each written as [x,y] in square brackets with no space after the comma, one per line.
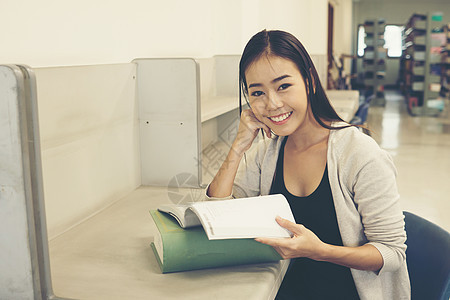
[274,102]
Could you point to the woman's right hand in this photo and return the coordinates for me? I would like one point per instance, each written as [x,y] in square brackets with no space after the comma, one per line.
[249,127]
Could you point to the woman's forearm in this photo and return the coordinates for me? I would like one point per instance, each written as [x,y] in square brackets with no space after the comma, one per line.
[365,257]
[249,126]
[222,184]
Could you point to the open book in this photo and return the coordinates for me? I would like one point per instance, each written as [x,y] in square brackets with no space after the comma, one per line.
[177,249]
[236,218]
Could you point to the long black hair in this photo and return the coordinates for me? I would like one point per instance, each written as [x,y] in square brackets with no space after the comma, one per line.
[287,46]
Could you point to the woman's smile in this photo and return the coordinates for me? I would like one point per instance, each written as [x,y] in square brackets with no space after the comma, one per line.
[280,119]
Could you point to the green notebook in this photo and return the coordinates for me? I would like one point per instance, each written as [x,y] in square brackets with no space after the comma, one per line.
[177,249]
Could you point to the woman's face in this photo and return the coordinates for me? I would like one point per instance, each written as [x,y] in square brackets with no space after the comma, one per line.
[277,94]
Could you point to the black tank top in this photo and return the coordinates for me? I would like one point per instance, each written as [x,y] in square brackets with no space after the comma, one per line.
[307,278]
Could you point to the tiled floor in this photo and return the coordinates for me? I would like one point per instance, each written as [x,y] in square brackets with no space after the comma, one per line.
[420,147]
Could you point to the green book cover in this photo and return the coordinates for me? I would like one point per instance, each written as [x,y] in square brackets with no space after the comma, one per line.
[177,249]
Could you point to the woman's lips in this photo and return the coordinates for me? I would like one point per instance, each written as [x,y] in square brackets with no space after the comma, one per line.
[280,119]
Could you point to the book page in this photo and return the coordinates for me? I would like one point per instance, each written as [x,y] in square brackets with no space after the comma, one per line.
[244,218]
[185,217]
[159,246]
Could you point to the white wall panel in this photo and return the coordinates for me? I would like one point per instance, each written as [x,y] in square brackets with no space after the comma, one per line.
[89,139]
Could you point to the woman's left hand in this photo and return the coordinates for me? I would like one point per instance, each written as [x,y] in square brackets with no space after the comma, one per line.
[303,243]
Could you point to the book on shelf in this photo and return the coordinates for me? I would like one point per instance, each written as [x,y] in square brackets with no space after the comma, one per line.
[418,86]
[420,40]
[419,55]
[435,87]
[438,104]
[226,237]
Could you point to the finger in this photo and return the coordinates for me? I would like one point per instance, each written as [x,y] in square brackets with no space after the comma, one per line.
[250,122]
[255,125]
[281,245]
[248,114]
[266,241]
[274,242]
[278,249]
[292,227]
[262,241]
[261,124]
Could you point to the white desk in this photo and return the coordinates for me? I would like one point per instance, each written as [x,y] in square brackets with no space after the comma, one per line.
[109,257]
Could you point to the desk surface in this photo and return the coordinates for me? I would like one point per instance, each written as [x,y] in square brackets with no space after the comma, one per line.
[108,257]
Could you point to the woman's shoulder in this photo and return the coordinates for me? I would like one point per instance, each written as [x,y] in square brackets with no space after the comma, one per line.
[351,150]
[352,139]
[353,144]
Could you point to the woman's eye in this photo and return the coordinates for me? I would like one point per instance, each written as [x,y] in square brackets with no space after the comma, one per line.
[257,93]
[284,86]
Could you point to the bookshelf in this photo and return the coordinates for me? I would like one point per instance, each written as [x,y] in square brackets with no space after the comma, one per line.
[421,63]
[445,59]
[374,61]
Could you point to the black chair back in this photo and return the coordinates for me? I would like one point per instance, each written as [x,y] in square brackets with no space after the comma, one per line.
[428,259]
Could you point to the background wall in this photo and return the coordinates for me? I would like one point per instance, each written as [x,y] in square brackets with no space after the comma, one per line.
[342,32]
[52,33]
[343,11]
[394,12]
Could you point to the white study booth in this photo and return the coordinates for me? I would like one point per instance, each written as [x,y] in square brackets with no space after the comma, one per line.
[87,151]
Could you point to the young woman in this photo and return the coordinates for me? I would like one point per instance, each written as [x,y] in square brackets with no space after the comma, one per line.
[349,242]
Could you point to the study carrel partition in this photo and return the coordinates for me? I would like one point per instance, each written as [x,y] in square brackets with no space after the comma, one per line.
[24,261]
[169,122]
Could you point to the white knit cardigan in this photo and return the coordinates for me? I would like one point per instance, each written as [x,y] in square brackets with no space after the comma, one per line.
[363,184]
